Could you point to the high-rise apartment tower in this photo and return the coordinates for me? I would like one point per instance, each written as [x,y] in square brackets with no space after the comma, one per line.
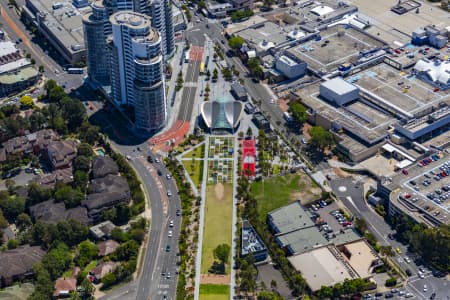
[137,77]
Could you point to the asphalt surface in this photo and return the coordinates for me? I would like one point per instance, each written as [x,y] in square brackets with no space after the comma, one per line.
[353,198]
[151,283]
[189,92]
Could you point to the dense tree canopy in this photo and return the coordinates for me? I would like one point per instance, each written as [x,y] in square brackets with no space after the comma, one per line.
[222,253]
[236,42]
[320,137]
[71,232]
[298,111]
[11,205]
[57,260]
[71,197]
[86,252]
[241,14]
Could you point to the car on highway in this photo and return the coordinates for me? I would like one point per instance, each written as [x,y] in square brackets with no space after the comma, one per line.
[409,295]
[150,159]
[408,272]
[178,213]
[156,160]
[168,276]
[167,248]
[168,176]
[171,223]
[389,295]
[170,233]
[421,275]
[425,288]
[169,194]
[128,157]
[407,259]
[398,250]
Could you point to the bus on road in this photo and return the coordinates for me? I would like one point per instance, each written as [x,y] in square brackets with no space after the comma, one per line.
[288,117]
[75,70]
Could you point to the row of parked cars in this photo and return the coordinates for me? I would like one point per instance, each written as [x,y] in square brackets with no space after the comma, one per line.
[428,160]
[337,214]
[318,204]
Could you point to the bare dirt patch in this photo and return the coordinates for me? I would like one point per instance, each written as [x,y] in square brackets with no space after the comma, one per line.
[214,279]
[219,191]
[308,191]
[341,173]
[283,104]
[305,130]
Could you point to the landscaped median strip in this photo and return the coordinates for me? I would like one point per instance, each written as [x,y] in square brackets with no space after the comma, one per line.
[215,237]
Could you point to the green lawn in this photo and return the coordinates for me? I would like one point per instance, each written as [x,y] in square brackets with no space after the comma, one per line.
[90,266]
[195,170]
[217,226]
[275,192]
[17,292]
[214,292]
[198,152]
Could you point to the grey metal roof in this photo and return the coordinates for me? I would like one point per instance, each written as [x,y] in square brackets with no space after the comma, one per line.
[339,86]
[303,240]
[290,218]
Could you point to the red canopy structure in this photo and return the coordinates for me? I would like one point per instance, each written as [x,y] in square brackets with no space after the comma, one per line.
[249,157]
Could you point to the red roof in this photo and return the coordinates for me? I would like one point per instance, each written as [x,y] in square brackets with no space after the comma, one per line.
[249,157]
[64,285]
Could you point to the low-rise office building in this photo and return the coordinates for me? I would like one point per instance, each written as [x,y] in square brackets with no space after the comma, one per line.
[218,10]
[242,4]
[252,243]
[61,24]
[18,80]
[16,72]
[289,67]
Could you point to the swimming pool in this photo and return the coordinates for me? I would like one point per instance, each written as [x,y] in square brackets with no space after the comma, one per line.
[100,152]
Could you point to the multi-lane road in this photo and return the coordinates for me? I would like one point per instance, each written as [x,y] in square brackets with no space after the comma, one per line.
[154,281]
[152,284]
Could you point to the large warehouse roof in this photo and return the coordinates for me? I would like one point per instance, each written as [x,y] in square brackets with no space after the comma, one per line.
[290,218]
[321,267]
[303,240]
[339,86]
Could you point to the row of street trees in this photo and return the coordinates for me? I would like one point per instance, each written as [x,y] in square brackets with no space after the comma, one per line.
[250,212]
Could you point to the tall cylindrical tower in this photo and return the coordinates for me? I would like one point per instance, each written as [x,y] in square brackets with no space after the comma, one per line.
[137,60]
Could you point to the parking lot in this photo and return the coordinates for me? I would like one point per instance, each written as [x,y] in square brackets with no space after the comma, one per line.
[330,217]
[20,177]
[431,184]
